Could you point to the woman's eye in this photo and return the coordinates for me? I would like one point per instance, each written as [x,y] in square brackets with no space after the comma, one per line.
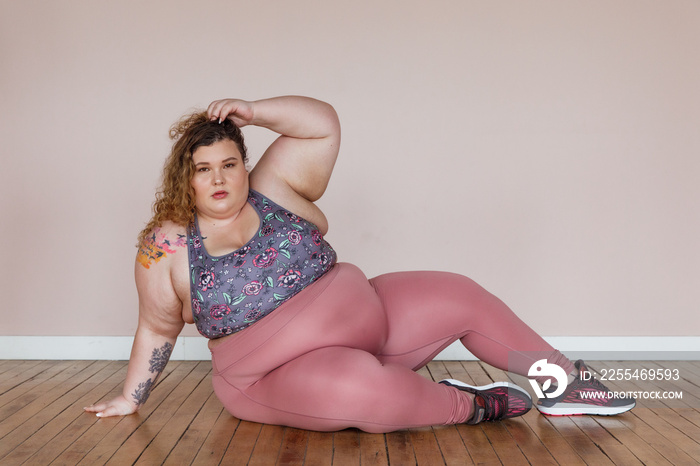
[203,169]
[229,165]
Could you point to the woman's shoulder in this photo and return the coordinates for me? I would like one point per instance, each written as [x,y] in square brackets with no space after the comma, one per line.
[284,196]
[160,243]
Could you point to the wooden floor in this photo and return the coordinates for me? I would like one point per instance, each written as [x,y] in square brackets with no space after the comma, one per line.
[41,422]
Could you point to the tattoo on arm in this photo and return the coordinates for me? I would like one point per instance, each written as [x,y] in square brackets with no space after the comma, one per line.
[156,246]
[160,358]
[142,392]
[158,361]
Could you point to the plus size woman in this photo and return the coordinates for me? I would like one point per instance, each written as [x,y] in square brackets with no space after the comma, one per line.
[298,337]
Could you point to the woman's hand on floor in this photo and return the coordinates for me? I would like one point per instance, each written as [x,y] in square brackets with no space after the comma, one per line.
[119,406]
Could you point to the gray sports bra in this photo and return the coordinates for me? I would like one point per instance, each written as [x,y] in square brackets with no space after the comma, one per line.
[233,291]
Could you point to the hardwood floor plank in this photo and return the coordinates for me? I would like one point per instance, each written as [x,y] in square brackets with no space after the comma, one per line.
[691,370]
[438,371]
[611,447]
[22,390]
[185,378]
[503,444]
[346,447]
[194,438]
[529,444]
[17,372]
[30,418]
[114,431]
[679,413]
[195,389]
[477,444]
[556,444]
[293,449]
[663,436]
[400,448]
[267,448]
[62,431]
[184,423]
[423,371]
[451,445]
[425,446]
[218,440]
[628,437]
[667,420]
[579,441]
[241,446]
[83,433]
[373,449]
[319,449]
[455,370]
[670,442]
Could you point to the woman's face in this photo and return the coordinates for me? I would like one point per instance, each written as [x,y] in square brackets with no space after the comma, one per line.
[220,180]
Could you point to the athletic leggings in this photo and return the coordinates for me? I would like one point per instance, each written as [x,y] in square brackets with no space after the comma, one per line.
[342,353]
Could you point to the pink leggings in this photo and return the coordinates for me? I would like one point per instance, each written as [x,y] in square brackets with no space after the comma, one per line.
[342,353]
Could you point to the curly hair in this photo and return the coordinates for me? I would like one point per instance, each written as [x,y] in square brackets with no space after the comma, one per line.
[175,197]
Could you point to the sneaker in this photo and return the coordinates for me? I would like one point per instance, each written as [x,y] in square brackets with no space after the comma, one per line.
[598,399]
[496,401]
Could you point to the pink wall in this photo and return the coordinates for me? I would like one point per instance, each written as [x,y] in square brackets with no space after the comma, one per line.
[549,150]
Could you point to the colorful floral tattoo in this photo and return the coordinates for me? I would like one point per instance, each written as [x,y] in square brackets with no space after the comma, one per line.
[159,358]
[157,246]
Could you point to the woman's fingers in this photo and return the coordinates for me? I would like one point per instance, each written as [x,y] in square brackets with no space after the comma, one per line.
[116,407]
[214,110]
[220,109]
[113,411]
[237,110]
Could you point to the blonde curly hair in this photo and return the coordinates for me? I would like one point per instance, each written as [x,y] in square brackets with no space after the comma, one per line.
[175,197]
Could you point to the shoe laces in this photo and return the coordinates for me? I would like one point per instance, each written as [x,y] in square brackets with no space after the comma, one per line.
[495,406]
[598,384]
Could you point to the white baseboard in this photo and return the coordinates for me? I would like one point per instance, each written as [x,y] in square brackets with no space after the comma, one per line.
[195,348]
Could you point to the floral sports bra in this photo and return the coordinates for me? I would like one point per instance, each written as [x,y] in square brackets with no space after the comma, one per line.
[233,291]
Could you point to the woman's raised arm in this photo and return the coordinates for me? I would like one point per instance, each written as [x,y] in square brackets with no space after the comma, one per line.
[305,153]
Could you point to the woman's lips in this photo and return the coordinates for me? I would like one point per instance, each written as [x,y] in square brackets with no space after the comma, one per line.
[219,194]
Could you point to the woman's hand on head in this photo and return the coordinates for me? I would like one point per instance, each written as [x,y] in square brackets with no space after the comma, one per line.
[119,406]
[238,111]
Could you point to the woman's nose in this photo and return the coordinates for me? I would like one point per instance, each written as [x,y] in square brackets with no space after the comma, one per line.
[218,177]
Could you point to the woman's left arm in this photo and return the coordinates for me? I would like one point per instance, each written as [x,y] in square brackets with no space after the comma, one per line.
[305,153]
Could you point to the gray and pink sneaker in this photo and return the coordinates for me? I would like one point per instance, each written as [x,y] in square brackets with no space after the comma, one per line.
[496,401]
[586,395]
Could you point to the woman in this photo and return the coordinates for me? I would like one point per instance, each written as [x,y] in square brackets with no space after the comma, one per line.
[296,338]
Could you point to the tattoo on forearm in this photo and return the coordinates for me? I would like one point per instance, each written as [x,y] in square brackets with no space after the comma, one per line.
[142,392]
[158,361]
[160,357]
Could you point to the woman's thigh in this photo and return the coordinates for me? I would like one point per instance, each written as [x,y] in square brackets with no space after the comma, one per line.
[426,311]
